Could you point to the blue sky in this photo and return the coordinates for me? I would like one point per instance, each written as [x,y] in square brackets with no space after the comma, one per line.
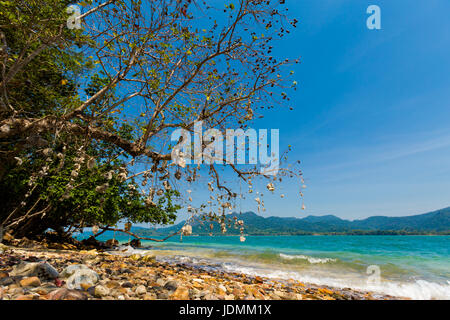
[372,113]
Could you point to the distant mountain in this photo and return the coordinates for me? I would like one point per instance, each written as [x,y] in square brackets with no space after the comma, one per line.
[436,222]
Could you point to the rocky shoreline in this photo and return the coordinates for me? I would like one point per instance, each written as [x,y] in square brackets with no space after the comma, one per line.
[55,274]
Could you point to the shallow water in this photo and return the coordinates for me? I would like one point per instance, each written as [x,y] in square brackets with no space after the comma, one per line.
[417,267]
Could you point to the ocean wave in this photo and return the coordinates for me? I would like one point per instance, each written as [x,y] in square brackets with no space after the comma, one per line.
[310,259]
[417,290]
[414,289]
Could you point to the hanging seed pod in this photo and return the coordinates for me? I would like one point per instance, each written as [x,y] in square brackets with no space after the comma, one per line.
[47,151]
[122,176]
[177,175]
[270,187]
[160,192]
[131,187]
[95,229]
[303,207]
[210,187]
[128,226]
[282,195]
[102,188]
[66,195]
[109,175]
[74,174]
[249,115]
[166,185]
[186,230]
[90,163]
[149,202]
[18,160]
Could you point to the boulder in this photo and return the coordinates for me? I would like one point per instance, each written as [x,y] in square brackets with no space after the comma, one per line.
[86,277]
[35,269]
[70,270]
[112,243]
[135,243]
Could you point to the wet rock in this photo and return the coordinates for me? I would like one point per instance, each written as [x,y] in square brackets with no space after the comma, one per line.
[30,282]
[112,243]
[135,243]
[148,258]
[135,257]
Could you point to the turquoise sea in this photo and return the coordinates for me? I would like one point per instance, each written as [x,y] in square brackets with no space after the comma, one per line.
[417,267]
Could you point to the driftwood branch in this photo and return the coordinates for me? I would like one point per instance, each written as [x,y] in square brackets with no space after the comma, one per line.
[139,237]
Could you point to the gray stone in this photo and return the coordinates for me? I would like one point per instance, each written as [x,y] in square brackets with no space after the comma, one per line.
[70,270]
[35,269]
[171,285]
[82,276]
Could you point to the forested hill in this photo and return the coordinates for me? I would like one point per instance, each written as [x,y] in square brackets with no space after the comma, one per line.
[436,222]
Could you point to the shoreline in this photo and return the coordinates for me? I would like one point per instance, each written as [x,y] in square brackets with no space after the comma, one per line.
[140,277]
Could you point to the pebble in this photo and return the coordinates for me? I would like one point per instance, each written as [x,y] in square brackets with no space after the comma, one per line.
[140,290]
[171,285]
[181,293]
[96,275]
[30,282]
[101,291]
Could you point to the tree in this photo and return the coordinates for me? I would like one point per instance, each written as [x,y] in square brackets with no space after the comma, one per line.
[149,66]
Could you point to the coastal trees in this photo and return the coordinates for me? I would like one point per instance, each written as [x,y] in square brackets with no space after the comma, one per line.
[79,105]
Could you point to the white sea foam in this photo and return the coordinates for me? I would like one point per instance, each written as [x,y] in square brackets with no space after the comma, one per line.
[419,289]
[414,289]
[308,258]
